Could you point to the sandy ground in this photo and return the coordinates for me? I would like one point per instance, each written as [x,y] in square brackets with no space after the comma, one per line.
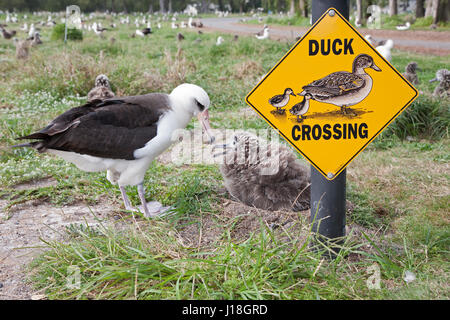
[21,230]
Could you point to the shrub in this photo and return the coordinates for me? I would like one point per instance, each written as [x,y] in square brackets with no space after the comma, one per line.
[423,22]
[427,118]
[72,33]
[392,21]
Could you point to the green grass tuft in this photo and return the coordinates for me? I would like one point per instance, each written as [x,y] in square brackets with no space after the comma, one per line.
[72,33]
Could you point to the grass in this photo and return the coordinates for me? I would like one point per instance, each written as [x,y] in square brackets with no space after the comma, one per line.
[398,187]
[58,33]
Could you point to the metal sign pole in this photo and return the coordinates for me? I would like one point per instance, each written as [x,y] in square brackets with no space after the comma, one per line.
[328,199]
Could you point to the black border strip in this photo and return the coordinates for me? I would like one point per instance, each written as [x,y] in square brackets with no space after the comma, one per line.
[382,128]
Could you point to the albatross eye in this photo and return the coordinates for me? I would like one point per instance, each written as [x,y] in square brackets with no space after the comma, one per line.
[200,106]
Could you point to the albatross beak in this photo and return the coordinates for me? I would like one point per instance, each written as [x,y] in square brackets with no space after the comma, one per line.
[204,120]
[433,80]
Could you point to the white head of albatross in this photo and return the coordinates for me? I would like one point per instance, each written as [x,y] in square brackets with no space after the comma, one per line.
[123,135]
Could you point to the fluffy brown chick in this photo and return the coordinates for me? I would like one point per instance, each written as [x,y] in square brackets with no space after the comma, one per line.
[257,175]
[102,89]
[443,88]
[410,73]
[22,48]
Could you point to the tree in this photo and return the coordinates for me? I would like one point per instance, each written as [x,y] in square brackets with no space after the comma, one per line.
[428,9]
[359,11]
[292,7]
[393,8]
[420,10]
[161,6]
[438,9]
[303,6]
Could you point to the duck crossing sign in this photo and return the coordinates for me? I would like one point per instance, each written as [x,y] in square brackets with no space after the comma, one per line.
[331,94]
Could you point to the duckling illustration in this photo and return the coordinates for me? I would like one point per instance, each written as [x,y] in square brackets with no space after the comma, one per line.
[344,88]
[281,100]
[301,108]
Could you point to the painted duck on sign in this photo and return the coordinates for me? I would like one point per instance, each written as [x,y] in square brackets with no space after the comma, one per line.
[301,108]
[281,100]
[343,88]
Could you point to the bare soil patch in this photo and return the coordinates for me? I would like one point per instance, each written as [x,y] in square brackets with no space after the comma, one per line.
[20,237]
[244,220]
[42,183]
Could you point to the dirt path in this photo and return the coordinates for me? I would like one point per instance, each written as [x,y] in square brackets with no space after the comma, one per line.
[425,42]
[20,231]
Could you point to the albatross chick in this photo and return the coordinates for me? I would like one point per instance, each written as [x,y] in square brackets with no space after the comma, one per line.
[265,175]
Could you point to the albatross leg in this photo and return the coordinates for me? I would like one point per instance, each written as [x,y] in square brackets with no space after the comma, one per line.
[126,200]
[150,209]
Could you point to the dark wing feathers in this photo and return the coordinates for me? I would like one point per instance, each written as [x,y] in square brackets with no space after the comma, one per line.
[337,83]
[111,128]
[63,121]
[276,99]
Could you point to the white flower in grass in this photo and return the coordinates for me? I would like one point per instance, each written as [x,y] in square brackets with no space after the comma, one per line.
[409,276]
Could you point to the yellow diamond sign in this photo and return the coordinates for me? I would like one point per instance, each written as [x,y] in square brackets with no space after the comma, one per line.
[331,94]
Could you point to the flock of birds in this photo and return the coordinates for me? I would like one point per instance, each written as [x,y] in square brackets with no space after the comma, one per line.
[143,29]
[123,135]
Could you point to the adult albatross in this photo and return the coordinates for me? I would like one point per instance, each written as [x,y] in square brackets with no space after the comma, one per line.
[123,135]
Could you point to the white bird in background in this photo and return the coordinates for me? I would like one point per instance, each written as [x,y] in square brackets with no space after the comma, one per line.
[404,27]
[174,26]
[49,20]
[190,22]
[369,39]
[385,50]
[220,40]
[140,33]
[265,34]
[25,27]
[183,24]
[32,31]
[159,25]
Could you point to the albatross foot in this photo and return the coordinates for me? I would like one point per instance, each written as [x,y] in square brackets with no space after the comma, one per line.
[154,209]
